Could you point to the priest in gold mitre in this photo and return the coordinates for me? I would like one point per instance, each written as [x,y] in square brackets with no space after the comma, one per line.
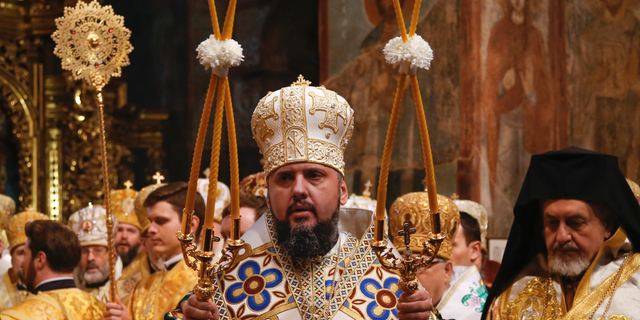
[161,291]
[127,233]
[145,263]
[571,250]
[12,288]
[92,273]
[52,251]
[310,258]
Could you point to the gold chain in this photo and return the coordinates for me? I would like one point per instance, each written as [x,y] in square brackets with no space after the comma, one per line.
[611,289]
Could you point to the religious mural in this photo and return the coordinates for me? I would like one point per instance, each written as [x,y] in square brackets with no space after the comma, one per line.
[357,33]
[516,102]
[603,40]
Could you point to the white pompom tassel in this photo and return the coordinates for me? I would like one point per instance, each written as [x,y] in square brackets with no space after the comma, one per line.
[408,56]
[219,55]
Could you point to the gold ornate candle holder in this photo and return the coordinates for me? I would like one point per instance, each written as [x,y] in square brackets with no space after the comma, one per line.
[408,265]
[201,260]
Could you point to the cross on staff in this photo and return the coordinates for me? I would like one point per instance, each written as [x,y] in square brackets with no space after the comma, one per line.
[158,177]
[406,232]
[366,191]
[128,184]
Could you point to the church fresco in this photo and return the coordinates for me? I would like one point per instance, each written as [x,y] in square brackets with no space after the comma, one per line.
[516,102]
[603,40]
[357,33]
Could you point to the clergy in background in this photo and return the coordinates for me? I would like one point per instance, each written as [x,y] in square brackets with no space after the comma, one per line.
[461,298]
[146,262]
[52,252]
[92,273]
[310,259]
[570,253]
[162,290]
[12,288]
[127,233]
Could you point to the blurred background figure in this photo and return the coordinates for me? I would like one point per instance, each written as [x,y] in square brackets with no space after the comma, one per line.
[12,288]
[92,273]
[7,208]
[127,233]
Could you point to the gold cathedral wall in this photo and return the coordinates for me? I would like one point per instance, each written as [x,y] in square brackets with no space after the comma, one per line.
[48,122]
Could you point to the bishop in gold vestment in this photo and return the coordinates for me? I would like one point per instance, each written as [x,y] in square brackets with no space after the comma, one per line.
[571,251]
[138,270]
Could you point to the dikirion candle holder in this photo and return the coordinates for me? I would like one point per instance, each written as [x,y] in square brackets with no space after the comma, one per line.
[408,53]
[219,52]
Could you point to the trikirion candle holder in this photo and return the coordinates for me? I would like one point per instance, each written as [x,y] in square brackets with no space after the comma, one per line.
[94,45]
[219,52]
[408,52]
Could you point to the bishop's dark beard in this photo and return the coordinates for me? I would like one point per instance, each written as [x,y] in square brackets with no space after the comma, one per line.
[303,243]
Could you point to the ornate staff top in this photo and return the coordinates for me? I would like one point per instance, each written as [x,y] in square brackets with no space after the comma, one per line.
[92,42]
[94,45]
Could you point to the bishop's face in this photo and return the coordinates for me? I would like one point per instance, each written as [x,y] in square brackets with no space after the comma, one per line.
[17,256]
[573,235]
[305,193]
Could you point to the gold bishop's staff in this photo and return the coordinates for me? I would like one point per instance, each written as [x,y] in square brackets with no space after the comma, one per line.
[407,52]
[94,45]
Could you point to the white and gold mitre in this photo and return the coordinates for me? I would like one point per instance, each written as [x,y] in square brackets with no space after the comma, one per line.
[90,224]
[478,212]
[302,123]
[7,206]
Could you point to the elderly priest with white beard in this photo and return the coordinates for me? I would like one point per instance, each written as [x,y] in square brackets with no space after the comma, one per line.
[571,251]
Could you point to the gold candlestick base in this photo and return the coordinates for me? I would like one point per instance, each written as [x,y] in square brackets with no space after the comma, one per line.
[407,266]
[202,261]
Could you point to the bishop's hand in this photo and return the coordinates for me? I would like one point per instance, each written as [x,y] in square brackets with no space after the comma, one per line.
[196,309]
[416,305]
[115,311]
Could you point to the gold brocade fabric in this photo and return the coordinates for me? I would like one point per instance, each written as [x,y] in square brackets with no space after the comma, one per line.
[9,293]
[135,272]
[66,304]
[161,292]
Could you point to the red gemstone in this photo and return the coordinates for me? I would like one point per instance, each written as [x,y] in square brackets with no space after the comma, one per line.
[73,32]
[97,65]
[110,30]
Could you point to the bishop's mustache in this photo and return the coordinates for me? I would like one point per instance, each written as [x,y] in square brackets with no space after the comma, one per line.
[304,205]
[567,246]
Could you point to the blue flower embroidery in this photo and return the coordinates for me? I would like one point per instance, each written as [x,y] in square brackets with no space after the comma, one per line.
[253,285]
[385,297]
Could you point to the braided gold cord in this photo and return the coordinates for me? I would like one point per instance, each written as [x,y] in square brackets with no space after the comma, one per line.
[386,155]
[214,19]
[214,164]
[233,152]
[197,152]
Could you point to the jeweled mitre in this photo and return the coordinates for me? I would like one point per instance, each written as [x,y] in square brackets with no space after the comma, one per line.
[415,207]
[302,123]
